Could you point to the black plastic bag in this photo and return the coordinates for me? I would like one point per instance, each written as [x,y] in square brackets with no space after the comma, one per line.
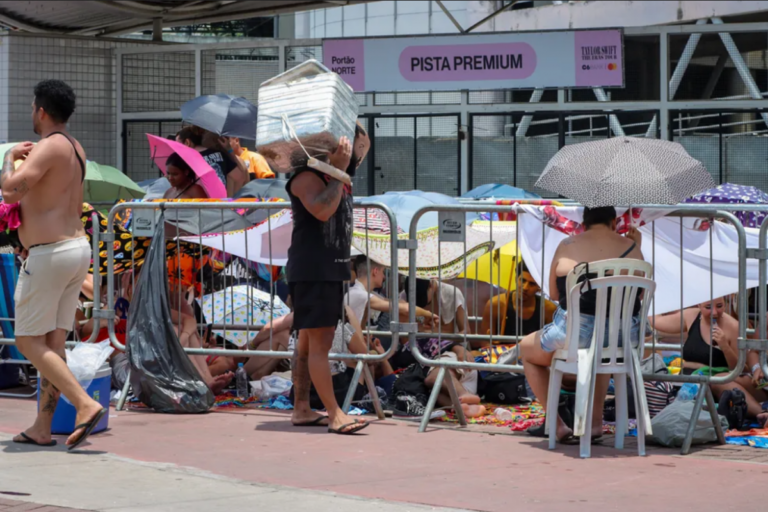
[162,375]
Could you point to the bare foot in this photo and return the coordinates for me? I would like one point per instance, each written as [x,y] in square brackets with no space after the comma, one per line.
[38,436]
[597,431]
[84,415]
[563,432]
[469,399]
[308,417]
[762,419]
[473,411]
[219,382]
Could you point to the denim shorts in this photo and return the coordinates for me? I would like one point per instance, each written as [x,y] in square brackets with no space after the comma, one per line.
[553,334]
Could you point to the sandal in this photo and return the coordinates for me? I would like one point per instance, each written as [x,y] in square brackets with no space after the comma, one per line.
[317,422]
[89,426]
[356,425]
[29,440]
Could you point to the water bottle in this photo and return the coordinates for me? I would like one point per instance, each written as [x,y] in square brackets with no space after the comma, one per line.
[503,414]
[241,379]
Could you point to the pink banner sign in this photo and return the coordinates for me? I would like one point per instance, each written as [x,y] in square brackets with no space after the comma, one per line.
[500,61]
[567,59]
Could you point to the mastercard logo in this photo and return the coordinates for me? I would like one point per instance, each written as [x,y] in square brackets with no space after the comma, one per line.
[612,66]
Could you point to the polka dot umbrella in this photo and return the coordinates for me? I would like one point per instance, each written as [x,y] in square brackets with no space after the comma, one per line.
[730,193]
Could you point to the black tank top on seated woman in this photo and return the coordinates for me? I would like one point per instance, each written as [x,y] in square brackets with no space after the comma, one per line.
[588,304]
[696,350]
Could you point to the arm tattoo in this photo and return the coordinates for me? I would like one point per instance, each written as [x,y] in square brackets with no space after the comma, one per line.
[7,169]
[331,193]
[23,188]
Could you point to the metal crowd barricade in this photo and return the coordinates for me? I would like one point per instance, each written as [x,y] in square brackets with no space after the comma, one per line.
[170,208]
[707,212]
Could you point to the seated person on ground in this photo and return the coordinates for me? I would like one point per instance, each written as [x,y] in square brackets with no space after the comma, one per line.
[598,242]
[501,315]
[710,329]
[365,302]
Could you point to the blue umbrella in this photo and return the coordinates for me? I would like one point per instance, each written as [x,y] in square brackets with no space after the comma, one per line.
[499,191]
[405,204]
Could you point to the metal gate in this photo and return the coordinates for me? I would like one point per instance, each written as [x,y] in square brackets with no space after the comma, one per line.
[414,152]
[136,162]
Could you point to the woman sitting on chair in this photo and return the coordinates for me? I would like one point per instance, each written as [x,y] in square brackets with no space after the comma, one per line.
[598,242]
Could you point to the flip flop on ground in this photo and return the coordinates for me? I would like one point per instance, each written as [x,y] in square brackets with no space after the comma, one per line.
[317,422]
[28,440]
[88,426]
[345,430]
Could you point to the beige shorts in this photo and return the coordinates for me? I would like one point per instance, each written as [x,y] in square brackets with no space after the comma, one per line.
[49,286]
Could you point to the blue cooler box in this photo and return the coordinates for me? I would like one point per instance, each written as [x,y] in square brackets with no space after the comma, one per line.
[64,417]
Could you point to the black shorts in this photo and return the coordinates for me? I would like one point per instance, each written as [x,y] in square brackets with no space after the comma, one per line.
[316,304]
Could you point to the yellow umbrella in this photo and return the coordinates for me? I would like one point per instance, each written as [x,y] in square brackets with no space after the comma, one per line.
[500,262]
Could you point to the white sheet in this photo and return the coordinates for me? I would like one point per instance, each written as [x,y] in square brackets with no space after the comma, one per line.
[696,259]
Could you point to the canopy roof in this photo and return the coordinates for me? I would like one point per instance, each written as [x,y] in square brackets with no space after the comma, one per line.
[113,18]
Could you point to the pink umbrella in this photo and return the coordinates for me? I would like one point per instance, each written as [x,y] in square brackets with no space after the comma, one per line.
[161,149]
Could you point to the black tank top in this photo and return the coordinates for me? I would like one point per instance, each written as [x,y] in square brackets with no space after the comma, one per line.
[529,325]
[319,250]
[696,350]
[588,303]
[79,159]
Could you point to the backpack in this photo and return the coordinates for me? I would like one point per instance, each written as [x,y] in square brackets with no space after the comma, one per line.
[411,381]
[733,405]
[502,388]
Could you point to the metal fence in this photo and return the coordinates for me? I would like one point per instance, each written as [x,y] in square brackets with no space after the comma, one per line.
[704,217]
[433,259]
[178,216]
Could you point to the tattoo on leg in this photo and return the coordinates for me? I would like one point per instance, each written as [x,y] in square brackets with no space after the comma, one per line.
[50,404]
[301,379]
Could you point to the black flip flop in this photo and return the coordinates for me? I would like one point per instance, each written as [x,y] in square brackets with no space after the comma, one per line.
[537,431]
[570,440]
[341,430]
[29,440]
[317,422]
[89,426]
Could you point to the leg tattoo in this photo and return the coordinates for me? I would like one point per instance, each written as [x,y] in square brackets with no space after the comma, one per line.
[301,380]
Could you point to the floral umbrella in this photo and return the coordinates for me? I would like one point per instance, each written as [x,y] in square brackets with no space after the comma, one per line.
[241,305]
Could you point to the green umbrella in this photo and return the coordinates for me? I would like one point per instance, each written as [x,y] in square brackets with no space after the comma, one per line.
[105,184]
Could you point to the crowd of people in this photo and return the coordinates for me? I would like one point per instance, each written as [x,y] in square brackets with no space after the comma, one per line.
[333,297]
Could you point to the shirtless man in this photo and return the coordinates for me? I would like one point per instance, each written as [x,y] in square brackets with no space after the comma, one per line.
[49,187]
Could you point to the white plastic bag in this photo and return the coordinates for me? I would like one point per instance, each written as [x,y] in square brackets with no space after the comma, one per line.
[86,359]
[671,425]
[271,386]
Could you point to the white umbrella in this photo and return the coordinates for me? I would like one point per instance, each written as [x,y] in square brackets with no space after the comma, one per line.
[624,171]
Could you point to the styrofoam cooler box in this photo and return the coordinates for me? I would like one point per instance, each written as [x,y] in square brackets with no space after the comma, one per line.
[314,100]
[64,417]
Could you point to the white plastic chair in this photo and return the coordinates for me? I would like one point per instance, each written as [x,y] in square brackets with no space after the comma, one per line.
[620,276]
